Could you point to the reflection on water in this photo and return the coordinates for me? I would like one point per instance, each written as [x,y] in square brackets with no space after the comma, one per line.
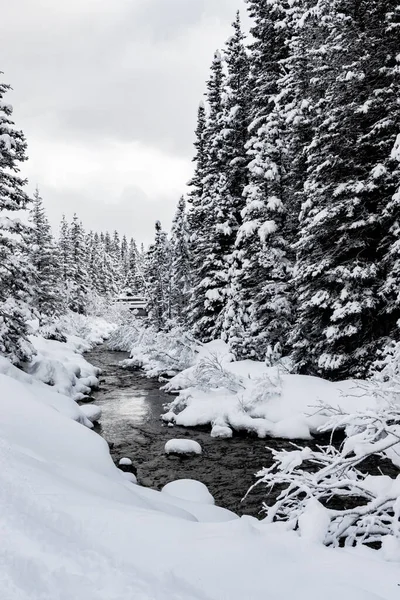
[125,406]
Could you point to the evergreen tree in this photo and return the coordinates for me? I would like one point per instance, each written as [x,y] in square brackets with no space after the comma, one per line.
[347,217]
[135,279]
[43,253]
[65,252]
[197,217]
[16,273]
[124,259]
[79,274]
[260,310]
[158,279]
[206,300]
[233,175]
[180,264]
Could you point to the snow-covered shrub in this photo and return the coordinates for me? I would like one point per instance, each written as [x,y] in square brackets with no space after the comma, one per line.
[158,353]
[51,330]
[327,495]
[126,335]
[387,372]
[91,330]
[210,373]
[260,390]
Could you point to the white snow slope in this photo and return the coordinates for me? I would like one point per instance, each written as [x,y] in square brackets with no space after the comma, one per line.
[73,528]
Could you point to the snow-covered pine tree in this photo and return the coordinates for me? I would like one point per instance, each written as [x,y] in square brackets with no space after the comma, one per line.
[116,255]
[197,222]
[158,279]
[108,243]
[134,277]
[65,252]
[95,253]
[80,283]
[210,274]
[16,272]
[386,135]
[124,259]
[261,311]
[89,244]
[346,219]
[180,264]
[233,176]
[106,282]
[48,298]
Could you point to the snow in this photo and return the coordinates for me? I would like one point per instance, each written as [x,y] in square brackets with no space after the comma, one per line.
[259,399]
[221,431]
[125,461]
[189,489]
[129,477]
[391,548]
[266,229]
[184,446]
[74,526]
[314,522]
[14,381]
[92,412]
[62,366]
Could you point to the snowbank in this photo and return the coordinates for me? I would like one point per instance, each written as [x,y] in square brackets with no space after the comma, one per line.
[247,395]
[61,365]
[74,527]
[14,381]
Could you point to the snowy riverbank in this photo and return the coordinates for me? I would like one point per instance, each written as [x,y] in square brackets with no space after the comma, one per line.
[213,389]
[74,527]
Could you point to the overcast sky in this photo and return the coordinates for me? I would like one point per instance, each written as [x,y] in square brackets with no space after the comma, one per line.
[106,92]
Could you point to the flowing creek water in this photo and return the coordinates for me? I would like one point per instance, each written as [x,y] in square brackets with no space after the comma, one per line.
[131,407]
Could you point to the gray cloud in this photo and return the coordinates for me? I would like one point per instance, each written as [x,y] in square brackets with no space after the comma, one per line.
[99,82]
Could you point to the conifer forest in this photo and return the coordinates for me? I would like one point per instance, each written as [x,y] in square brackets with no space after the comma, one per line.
[271,311]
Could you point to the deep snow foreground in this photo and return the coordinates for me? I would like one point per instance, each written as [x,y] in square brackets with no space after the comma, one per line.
[73,526]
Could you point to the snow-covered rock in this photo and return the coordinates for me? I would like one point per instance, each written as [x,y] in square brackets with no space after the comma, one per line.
[220,429]
[189,489]
[92,412]
[182,446]
[125,461]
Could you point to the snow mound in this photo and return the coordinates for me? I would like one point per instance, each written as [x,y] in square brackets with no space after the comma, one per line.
[125,461]
[129,476]
[189,489]
[177,446]
[92,412]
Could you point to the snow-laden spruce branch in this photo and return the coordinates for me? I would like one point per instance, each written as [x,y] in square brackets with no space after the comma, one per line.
[317,481]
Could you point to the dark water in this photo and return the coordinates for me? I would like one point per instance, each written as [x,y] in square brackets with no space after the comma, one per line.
[131,407]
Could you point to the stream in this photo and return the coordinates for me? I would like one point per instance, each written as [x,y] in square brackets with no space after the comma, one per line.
[131,407]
